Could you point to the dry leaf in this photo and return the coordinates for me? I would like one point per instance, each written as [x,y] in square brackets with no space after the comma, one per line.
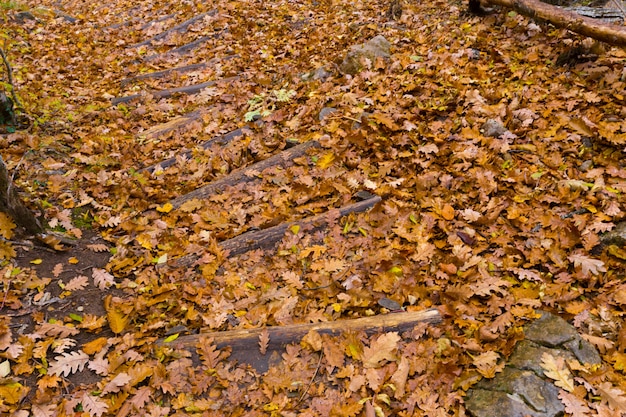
[264,340]
[556,369]
[382,349]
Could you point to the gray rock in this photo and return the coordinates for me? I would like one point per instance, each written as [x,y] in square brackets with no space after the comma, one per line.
[514,393]
[584,351]
[493,128]
[325,112]
[372,49]
[550,330]
[527,356]
[521,388]
[617,236]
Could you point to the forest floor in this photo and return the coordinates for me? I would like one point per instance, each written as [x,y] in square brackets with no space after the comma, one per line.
[491,149]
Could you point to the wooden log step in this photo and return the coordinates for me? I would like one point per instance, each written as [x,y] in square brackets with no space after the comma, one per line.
[241,175]
[189,89]
[176,123]
[176,70]
[221,140]
[266,238]
[178,28]
[245,342]
[181,50]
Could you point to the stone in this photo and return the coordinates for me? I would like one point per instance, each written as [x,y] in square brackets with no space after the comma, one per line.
[521,389]
[493,128]
[617,236]
[325,112]
[514,392]
[376,47]
[549,330]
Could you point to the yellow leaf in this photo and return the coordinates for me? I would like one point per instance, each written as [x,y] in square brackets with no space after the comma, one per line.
[116,318]
[73,260]
[326,160]
[6,226]
[36,261]
[12,392]
[165,208]
[95,346]
[295,229]
[171,338]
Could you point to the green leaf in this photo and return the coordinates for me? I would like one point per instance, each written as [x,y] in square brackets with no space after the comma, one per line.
[249,116]
[76,317]
[171,338]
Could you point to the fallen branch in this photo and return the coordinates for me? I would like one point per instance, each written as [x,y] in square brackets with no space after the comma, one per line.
[178,28]
[245,342]
[221,140]
[242,175]
[189,89]
[586,26]
[177,123]
[184,48]
[263,239]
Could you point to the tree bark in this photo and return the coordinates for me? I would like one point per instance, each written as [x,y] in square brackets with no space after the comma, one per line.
[586,26]
[245,342]
[11,204]
[241,175]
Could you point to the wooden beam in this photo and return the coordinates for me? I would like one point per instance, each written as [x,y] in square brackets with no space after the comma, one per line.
[586,26]
[245,342]
[266,238]
[242,174]
[188,89]
[178,28]
[177,70]
[221,140]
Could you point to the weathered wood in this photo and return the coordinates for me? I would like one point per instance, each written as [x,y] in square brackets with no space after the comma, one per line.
[165,73]
[261,239]
[178,28]
[586,26]
[258,239]
[189,89]
[176,123]
[242,174]
[11,204]
[183,49]
[221,140]
[158,20]
[245,342]
[606,14]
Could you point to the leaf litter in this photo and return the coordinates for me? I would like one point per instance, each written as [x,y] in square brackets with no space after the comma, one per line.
[486,228]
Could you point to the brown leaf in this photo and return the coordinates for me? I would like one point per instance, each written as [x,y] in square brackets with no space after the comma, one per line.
[264,340]
[382,349]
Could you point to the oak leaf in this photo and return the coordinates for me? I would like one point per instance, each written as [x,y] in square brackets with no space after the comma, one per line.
[380,350]
[612,396]
[43,410]
[122,379]
[102,279]
[587,265]
[55,330]
[574,405]
[93,405]
[68,363]
[264,341]
[77,283]
[555,368]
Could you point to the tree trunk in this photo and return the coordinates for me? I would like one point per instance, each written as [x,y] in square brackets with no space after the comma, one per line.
[11,204]
[586,26]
